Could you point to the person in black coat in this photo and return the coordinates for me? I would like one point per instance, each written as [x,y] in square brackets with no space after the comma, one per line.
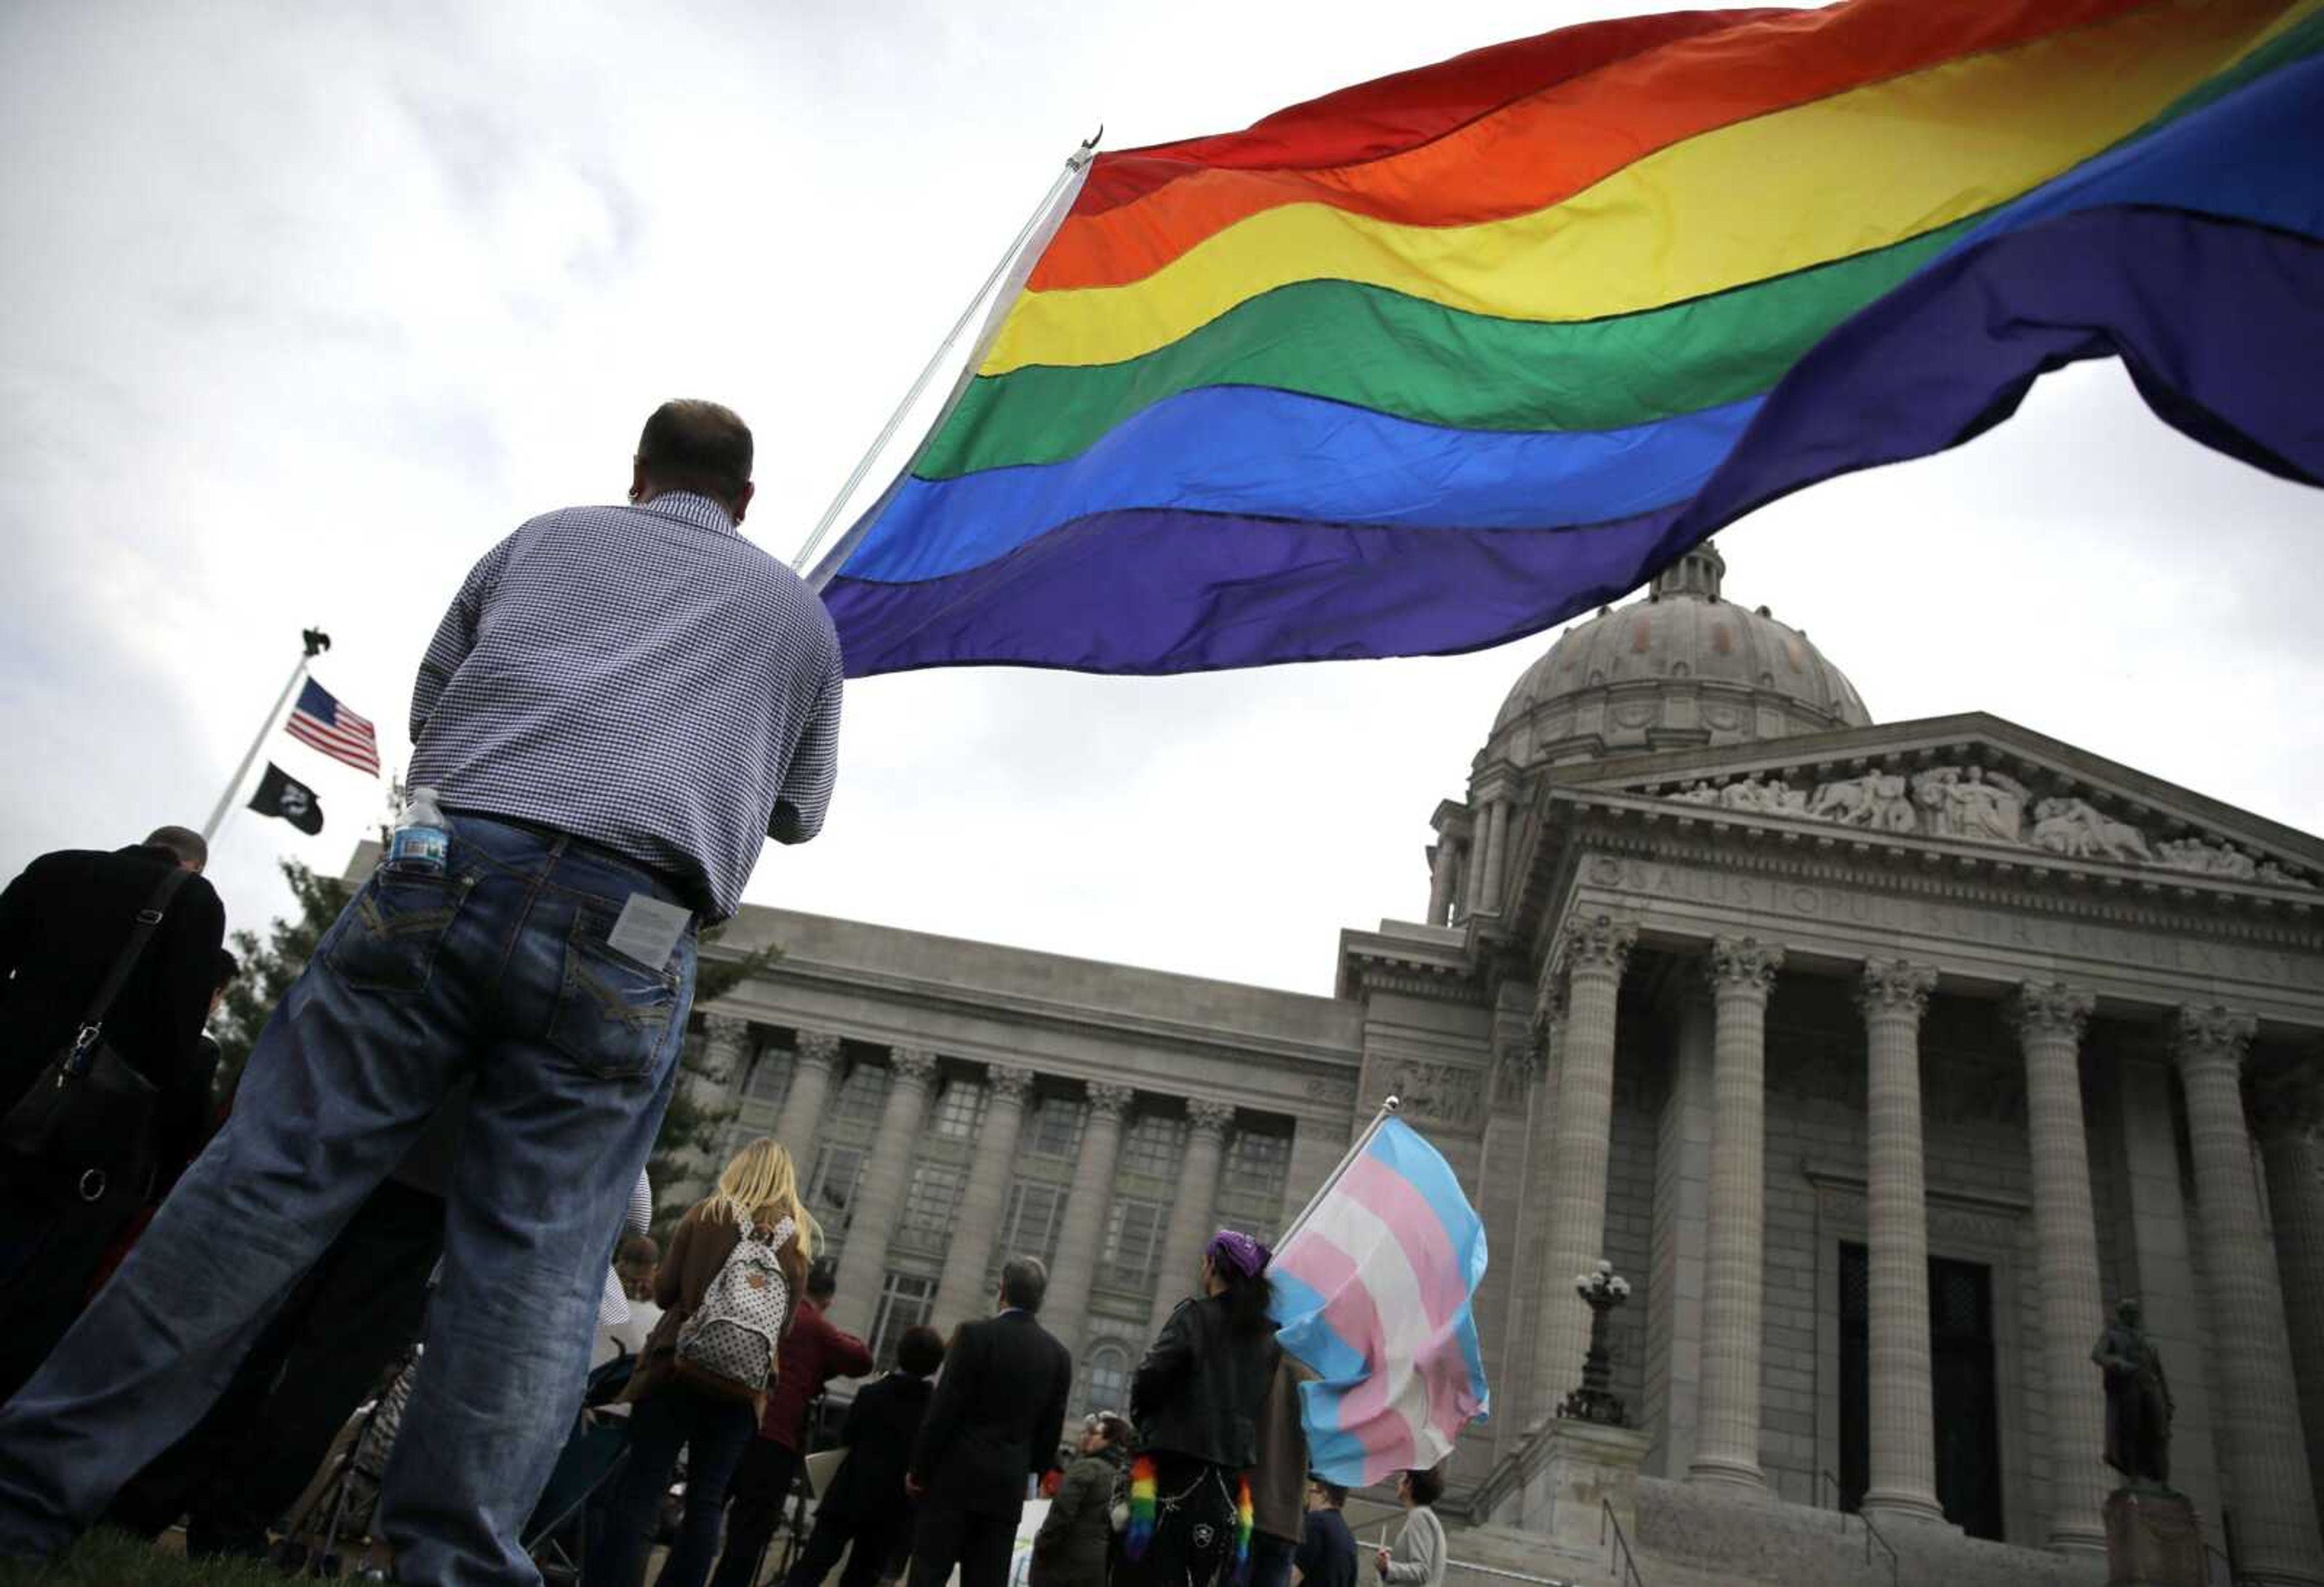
[998,1414]
[63,922]
[866,1505]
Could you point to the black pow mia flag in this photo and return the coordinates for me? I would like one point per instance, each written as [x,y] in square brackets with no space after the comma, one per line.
[282,794]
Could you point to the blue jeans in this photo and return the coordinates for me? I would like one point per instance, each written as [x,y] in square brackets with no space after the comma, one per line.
[714,1432]
[497,971]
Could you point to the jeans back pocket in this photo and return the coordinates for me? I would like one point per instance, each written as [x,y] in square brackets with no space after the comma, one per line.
[612,1013]
[388,938]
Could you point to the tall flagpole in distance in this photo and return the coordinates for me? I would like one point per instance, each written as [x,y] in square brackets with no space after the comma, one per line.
[1015,264]
[313,642]
[1387,1110]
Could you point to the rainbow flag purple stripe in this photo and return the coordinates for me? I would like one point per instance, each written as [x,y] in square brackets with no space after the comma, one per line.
[1373,1291]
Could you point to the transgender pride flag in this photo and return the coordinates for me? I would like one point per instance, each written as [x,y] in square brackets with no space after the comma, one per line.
[1372,1290]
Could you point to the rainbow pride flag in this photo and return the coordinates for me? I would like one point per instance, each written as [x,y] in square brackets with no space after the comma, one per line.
[1373,1291]
[1446,358]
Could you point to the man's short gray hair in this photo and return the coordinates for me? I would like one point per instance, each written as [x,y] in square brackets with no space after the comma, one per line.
[182,842]
[1024,1280]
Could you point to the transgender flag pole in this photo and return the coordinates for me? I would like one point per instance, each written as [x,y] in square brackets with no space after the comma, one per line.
[1374,1282]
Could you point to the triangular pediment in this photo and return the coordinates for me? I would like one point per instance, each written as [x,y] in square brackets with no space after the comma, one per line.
[1973,779]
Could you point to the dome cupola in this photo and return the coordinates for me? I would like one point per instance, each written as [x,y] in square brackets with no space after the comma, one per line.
[1679,668]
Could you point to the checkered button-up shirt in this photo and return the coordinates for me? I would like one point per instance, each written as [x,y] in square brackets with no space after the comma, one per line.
[643,677]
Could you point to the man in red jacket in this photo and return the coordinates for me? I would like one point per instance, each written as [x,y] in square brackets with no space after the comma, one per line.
[813,1352]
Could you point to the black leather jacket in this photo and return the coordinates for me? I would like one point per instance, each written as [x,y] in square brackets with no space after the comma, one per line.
[1200,1390]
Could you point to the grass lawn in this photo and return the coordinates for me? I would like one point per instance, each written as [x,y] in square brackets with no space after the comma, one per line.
[114,1559]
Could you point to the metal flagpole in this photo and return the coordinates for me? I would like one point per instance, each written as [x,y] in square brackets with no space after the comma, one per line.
[1387,1110]
[313,642]
[1017,260]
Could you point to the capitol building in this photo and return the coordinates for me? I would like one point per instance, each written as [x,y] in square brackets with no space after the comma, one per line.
[1880,1059]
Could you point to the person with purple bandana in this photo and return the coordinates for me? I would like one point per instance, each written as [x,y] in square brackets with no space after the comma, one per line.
[1197,1400]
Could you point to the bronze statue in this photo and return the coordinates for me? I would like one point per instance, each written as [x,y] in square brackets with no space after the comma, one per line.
[2137,1398]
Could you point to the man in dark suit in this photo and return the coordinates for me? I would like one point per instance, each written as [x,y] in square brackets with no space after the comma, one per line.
[63,924]
[865,1510]
[999,1411]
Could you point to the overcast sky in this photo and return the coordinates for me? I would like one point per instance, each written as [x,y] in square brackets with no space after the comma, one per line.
[307,305]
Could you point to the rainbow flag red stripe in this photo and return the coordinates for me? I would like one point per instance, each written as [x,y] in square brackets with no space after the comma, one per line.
[1442,359]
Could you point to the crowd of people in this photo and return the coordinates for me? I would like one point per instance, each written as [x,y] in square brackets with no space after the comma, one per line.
[414,1248]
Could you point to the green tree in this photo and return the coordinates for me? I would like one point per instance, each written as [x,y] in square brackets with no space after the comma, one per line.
[269,968]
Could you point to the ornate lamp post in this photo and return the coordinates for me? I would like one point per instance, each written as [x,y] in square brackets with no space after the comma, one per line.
[1595,1401]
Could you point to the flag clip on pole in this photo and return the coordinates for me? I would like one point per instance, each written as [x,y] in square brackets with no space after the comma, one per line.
[1387,1110]
[1009,275]
[313,642]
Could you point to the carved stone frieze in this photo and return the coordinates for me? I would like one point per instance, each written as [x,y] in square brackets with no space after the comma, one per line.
[1338,1093]
[1893,987]
[2049,1008]
[1744,963]
[1976,804]
[1442,1092]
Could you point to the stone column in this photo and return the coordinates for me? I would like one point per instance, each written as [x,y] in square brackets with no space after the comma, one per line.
[1496,854]
[1893,995]
[961,1292]
[1065,1312]
[2050,1019]
[1190,1215]
[2289,1109]
[1727,1442]
[2266,1459]
[1472,867]
[811,1068]
[1592,953]
[879,1195]
[1440,882]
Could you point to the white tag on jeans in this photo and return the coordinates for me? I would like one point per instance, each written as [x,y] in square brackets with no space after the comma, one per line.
[649,930]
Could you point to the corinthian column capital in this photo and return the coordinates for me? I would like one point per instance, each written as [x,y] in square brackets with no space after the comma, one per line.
[1596,944]
[1110,1101]
[818,1047]
[2203,1038]
[1011,1082]
[911,1066]
[2049,1008]
[1208,1116]
[1744,963]
[1894,987]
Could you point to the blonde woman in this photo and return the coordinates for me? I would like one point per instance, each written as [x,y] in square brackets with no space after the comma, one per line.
[759,1191]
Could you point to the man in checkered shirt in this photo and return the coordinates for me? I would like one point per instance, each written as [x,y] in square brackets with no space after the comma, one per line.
[621,705]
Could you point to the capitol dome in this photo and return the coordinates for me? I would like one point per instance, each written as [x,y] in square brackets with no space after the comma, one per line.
[1680,668]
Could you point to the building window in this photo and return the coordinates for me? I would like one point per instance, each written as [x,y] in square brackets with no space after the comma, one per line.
[1056,1128]
[861,1097]
[831,1193]
[928,1205]
[906,1300]
[1154,1146]
[1029,1225]
[1133,1243]
[770,1077]
[1259,1165]
[960,1110]
[1108,1378]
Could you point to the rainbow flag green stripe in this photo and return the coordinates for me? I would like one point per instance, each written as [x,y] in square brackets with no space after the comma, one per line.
[1469,371]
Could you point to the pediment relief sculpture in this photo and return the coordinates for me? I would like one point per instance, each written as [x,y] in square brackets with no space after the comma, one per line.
[1980,805]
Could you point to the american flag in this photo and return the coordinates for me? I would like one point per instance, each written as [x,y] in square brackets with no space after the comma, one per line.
[322,722]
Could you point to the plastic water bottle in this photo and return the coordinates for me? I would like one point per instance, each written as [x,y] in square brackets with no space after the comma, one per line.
[419,844]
